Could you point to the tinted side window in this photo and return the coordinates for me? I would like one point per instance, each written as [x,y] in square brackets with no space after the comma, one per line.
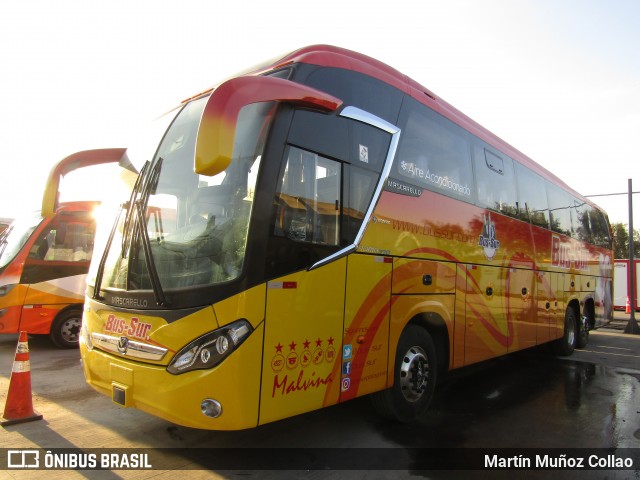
[495,181]
[532,197]
[582,221]
[600,228]
[325,134]
[560,206]
[434,153]
[358,90]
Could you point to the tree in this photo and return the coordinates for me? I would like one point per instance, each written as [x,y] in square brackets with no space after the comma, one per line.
[620,238]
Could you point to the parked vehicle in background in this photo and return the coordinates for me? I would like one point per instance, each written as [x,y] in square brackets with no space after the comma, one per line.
[621,284]
[44,259]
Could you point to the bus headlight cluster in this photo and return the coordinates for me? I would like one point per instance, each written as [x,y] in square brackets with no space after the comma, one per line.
[5,289]
[210,349]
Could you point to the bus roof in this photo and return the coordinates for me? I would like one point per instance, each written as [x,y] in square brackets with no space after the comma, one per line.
[331,56]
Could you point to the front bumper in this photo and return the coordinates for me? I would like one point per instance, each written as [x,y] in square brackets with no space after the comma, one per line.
[235,384]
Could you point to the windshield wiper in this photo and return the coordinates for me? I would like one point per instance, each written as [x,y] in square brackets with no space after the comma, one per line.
[4,236]
[135,228]
[141,231]
[127,222]
[131,211]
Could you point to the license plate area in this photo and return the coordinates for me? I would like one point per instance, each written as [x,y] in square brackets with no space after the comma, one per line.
[119,394]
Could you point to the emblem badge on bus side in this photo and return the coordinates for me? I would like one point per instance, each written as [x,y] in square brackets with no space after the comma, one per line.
[123,345]
[488,240]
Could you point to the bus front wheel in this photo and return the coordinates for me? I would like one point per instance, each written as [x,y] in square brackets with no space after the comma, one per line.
[65,329]
[414,377]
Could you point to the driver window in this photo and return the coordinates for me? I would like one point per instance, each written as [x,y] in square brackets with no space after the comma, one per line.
[308,199]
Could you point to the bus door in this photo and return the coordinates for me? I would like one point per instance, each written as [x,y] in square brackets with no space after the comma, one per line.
[305,309]
[55,268]
[318,349]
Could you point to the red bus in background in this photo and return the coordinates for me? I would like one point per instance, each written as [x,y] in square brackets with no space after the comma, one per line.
[44,259]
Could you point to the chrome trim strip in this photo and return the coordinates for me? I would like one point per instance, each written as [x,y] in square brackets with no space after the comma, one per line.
[133,349]
[375,121]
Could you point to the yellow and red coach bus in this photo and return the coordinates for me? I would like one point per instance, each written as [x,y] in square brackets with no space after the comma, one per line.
[44,259]
[337,230]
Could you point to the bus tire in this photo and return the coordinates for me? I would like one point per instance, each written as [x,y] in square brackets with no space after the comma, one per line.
[565,345]
[414,377]
[65,329]
[582,339]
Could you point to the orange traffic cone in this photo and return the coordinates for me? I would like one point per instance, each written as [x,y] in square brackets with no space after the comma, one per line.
[19,406]
[627,308]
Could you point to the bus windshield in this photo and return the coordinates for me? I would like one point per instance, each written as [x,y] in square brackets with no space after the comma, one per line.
[181,229]
[14,238]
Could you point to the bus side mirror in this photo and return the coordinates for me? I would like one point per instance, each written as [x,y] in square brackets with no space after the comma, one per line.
[73,162]
[216,133]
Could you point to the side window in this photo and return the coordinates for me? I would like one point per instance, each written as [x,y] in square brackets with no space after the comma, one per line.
[495,181]
[582,221]
[434,153]
[600,228]
[560,206]
[532,197]
[308,199]
[62,249]
[65,240]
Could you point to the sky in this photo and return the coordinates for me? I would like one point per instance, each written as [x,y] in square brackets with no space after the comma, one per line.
[557,79]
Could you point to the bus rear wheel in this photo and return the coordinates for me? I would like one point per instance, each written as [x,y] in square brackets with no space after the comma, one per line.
[414,377]
[566,345]
[582,339]
[65,329]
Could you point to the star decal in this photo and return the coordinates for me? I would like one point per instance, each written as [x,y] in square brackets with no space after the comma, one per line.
[306,344]
[279,348]
[330,341]
[318,342]
[292,346]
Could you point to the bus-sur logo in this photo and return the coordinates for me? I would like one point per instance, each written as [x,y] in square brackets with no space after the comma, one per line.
[488,240]
[135,329]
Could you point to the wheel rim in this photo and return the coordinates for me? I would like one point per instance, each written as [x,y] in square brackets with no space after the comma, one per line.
[70,329]
[414,374]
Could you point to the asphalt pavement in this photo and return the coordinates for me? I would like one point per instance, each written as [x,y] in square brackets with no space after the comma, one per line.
[529,399]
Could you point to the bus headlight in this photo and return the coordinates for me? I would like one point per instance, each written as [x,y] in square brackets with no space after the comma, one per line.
[5,289]
[210,349]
